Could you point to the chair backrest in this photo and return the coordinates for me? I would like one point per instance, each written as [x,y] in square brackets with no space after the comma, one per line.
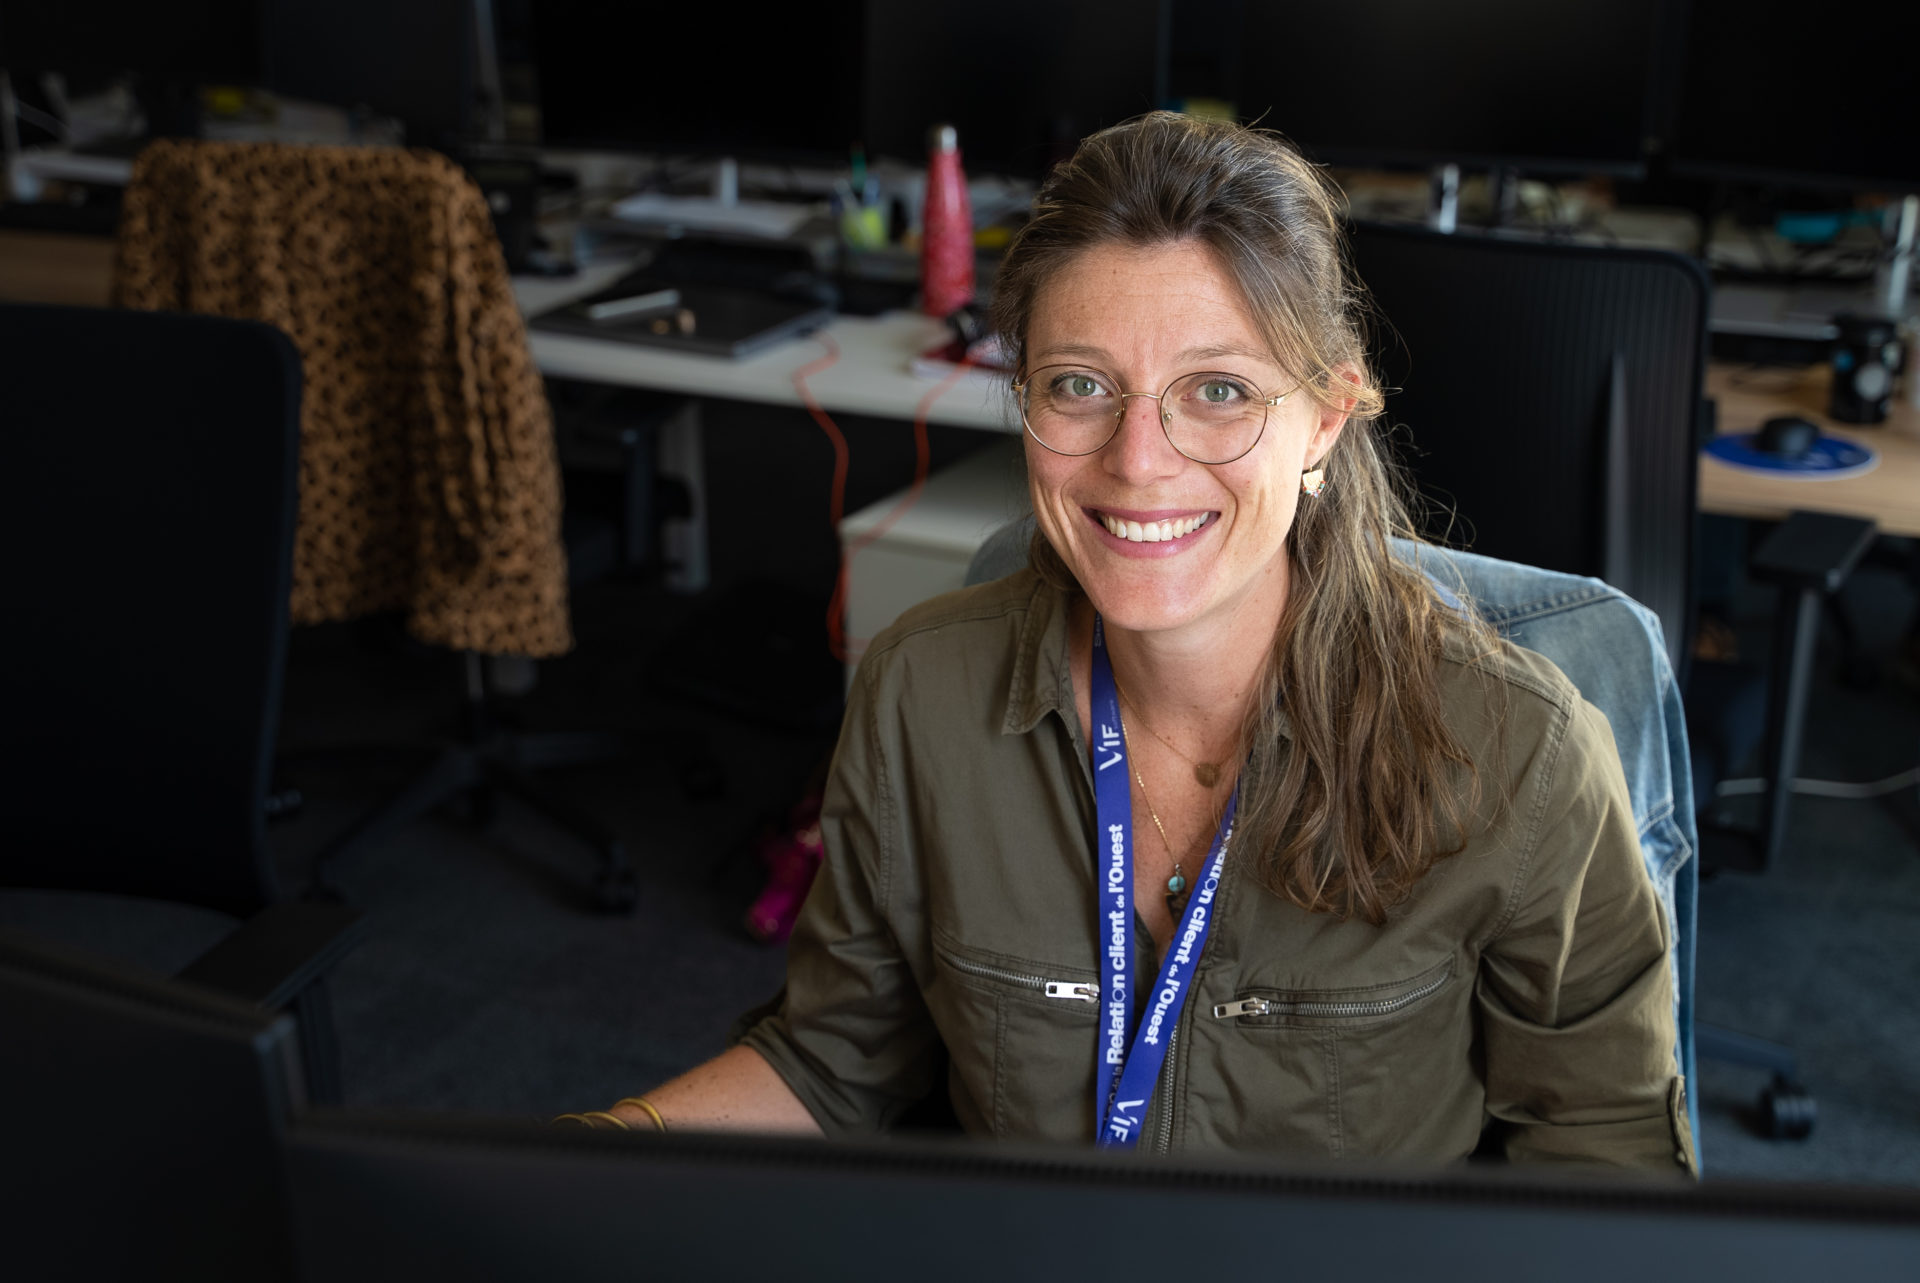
[429,480]
[143,1120]
[1552,393]
[147,474]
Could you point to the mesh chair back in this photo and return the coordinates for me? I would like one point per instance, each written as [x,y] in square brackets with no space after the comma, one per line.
[1552,393]
[147,499]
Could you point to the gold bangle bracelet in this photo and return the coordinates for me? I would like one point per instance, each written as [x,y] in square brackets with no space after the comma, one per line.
[641,1102]
[614,1119]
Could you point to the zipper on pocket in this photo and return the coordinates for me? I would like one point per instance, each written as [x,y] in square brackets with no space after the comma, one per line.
[1166,1097]
[1254,1005]
[1065,990]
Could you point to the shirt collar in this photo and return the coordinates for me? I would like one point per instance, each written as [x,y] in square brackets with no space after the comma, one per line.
[1042,680]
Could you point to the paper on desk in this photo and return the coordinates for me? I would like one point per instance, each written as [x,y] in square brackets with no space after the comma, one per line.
[751,218]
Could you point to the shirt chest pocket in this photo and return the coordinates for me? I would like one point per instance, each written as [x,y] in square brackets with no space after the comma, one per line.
[1021,1036]
[1367,1070]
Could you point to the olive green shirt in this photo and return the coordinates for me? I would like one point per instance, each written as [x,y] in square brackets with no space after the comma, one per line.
[1523,987]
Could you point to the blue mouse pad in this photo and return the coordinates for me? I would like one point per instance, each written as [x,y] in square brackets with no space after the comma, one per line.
[1830,458]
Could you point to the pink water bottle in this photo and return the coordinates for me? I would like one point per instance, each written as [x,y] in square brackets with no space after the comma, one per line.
[946,240]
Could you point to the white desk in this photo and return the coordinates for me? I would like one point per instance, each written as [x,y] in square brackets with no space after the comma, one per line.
[871,377]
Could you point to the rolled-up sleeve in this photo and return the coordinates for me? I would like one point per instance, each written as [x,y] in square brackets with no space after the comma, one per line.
[850,1033]
[1575,992]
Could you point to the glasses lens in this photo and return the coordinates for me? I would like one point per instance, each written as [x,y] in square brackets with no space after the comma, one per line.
[1071,410]
[1214,418]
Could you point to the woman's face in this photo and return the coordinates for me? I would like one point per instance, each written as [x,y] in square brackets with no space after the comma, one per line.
[1145,317]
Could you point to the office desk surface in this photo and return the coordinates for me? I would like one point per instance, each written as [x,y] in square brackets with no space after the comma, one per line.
[1889,495]
[871,376]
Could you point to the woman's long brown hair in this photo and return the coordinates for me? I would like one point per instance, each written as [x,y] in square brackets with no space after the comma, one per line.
[1354,784]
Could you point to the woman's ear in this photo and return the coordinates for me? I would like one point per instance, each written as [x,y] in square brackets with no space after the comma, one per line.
[1333,417]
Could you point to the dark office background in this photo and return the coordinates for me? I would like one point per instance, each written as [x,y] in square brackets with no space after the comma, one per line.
[487,984]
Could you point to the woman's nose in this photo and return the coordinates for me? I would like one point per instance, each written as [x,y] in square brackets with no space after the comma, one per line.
[1140,451]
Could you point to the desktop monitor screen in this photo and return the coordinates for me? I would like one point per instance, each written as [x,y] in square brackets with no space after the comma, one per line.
[191,41]
[1563,87]
[777,84]
[412,61]
[475,1199]
[1797,99]
[1022,82]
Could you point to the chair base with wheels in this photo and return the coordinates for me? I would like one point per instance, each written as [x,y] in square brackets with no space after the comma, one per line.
[484,762]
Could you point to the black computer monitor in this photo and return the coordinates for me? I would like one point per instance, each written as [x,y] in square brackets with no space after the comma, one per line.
[193,41]
[780,83]
[140,1123]
[1795,98]
[1022,82]
[420,1198]
[1551,88]
[410,60]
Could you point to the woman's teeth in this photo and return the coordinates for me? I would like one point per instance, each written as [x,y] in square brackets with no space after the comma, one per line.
[1152,531]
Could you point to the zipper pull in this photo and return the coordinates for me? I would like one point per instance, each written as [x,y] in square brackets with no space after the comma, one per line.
[1072,992]
[1242,1007]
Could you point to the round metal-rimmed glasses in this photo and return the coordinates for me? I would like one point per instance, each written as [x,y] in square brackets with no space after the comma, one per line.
[1210,416]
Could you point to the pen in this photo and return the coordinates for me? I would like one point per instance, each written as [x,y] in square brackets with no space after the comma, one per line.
[633,304]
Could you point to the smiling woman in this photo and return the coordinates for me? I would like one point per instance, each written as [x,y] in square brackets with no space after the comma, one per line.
[1387,899]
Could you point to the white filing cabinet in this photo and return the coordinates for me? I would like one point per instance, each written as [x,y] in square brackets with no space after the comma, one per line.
[925,552]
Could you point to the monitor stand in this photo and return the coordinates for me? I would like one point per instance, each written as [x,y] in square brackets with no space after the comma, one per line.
[726,182]
[1443,199]
[1893,278]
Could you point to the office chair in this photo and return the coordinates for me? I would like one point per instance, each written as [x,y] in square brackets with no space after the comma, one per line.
[146,533]
[428,478]
[144,1122]
[1553,394]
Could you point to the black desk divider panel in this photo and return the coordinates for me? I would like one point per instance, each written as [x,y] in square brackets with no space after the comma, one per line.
[141,1121]
[1552,394]
[387,1198]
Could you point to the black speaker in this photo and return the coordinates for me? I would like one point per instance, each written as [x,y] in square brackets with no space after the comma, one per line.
[1866,359]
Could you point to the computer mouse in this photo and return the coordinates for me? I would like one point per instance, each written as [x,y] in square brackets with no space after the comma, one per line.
[1787,437]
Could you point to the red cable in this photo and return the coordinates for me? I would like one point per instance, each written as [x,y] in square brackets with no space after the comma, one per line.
[836,505]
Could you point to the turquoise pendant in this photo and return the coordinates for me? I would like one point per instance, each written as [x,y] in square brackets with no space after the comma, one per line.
[1176,893]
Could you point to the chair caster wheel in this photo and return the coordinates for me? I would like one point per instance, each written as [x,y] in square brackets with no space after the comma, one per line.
[1787,1110]
[614,888]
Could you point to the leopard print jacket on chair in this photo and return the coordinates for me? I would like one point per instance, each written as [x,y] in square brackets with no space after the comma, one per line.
[429,481]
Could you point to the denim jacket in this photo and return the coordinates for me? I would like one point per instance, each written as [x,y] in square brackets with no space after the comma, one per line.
[1612,649]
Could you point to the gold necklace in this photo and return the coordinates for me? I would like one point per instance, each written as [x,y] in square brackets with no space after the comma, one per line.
[1207,773]
[1177,884]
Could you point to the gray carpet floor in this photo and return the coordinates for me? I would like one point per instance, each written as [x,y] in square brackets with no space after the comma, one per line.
[1822,952]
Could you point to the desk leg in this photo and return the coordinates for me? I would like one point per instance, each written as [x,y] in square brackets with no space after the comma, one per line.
[1796,634]
[683,540]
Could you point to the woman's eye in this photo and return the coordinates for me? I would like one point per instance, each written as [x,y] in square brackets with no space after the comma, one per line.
[1219,391]
[1080,385]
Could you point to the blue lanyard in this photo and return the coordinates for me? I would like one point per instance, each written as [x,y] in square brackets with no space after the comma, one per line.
[1130,1073]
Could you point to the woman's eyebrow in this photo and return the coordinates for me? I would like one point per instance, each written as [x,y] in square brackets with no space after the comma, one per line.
[1212,350]
[1207,352]
[1086,350]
